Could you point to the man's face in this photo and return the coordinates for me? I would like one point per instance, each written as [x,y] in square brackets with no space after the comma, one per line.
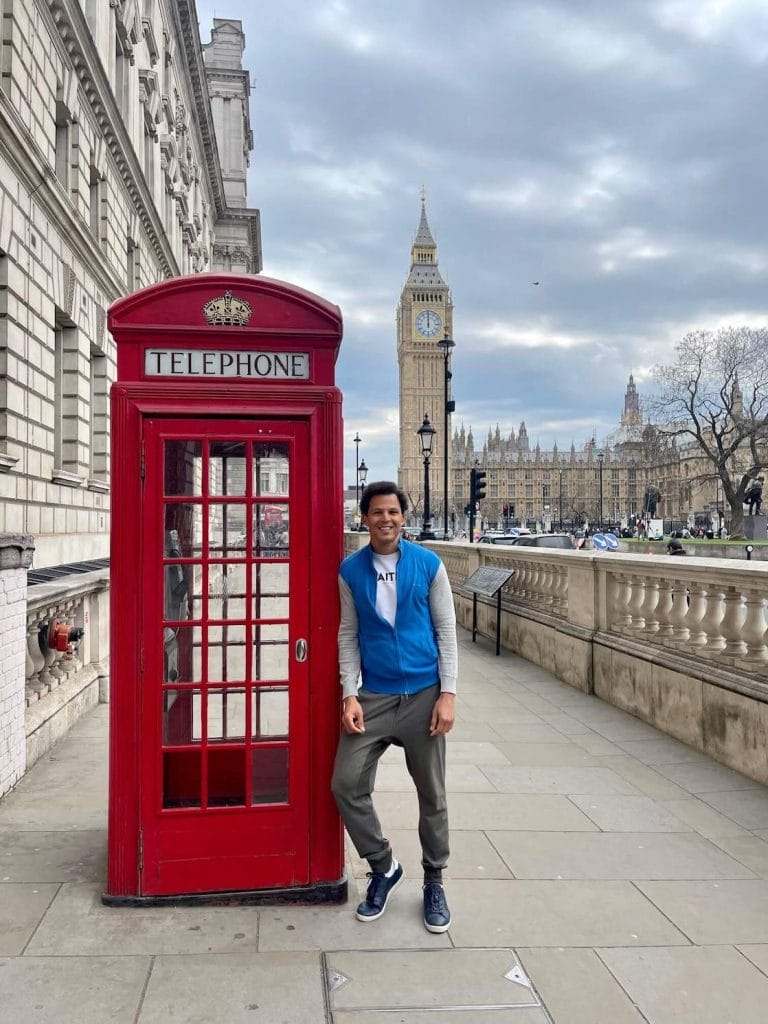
[384,521]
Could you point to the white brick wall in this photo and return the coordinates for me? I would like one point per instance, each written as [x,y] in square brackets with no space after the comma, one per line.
[13,622]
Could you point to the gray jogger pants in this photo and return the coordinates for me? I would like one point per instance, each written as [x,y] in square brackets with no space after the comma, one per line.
[404,721]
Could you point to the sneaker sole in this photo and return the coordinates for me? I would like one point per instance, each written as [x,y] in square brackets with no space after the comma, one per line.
[375,917]
[437,929]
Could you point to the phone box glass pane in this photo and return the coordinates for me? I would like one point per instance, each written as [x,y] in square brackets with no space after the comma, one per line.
[181,778]
[269,713]
[182,654]
[226,468]
[183,536]
[183,469]
[226,591]
[226,654]
[181,717]
[226,530]
[270,469]
[226,715]
[269,775]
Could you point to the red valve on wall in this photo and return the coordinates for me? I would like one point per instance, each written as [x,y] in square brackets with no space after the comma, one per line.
[58,636]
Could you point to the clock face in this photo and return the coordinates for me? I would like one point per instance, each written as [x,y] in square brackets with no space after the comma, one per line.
[428,323]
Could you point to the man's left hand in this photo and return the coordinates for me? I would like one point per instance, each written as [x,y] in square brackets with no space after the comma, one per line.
[443,714]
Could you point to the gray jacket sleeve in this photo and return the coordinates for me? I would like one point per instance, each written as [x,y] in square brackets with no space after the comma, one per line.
[349,645]
[444,623]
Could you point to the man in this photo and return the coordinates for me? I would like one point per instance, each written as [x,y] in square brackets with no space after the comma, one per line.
[674,547]
[398,630]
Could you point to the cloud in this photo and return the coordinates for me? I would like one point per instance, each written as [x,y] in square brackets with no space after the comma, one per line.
[497,334]
[739,23]
[629,245]
[612,152]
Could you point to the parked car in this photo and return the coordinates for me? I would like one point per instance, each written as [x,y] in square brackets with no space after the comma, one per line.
[533,540]
[497,537]
[547,540]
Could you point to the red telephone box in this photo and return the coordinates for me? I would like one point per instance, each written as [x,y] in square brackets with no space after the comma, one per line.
[227,532]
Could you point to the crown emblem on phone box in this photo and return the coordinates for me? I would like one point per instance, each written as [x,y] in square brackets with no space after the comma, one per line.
[228,310]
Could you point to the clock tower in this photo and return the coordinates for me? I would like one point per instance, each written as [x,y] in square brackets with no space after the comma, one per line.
[424,317]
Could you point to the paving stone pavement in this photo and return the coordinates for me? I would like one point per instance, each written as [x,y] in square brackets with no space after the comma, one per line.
[602,873]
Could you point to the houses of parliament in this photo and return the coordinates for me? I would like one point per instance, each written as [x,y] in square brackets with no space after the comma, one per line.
[634,473]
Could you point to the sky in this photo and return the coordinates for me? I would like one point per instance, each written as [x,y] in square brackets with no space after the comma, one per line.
[615,152]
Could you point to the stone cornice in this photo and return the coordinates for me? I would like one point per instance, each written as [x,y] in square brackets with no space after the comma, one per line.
[252,220]
[189,32]
[76,37]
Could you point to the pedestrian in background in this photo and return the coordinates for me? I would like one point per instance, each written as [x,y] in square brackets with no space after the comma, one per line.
[675,547]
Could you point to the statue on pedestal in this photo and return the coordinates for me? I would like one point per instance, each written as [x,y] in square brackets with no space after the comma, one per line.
[652,498]
[754,496]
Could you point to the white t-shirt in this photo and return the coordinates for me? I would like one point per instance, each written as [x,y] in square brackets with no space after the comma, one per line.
[385,567]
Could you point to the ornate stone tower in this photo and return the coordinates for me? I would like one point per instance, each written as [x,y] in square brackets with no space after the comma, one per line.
[631,416]
[237,248]
[424,317]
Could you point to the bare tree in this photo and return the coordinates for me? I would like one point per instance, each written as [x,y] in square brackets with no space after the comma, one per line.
[716,395]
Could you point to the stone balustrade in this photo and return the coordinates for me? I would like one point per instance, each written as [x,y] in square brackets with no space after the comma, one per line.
[703,610]
[680,642]
[60,686]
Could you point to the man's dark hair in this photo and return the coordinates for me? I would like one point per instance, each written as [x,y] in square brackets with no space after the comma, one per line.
[382,487]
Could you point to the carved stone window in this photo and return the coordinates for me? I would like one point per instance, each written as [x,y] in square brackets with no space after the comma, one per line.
[96,200]
[64,117]
[169,163]
[128,25]
[99,419]
[69,452]
[149,97]
[149,38]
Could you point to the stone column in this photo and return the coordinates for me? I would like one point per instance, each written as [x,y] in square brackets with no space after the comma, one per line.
[15,558]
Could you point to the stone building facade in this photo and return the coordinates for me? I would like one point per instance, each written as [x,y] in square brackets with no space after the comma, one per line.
[555,488]
[124,147]
[632,475]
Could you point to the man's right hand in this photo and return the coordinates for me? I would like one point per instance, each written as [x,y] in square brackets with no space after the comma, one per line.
[352,715]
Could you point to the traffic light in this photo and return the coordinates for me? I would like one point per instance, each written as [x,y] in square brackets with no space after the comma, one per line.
[476,485]
[467,510]
[505,510]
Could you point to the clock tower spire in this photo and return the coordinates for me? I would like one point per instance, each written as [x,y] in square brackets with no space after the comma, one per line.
[424,317]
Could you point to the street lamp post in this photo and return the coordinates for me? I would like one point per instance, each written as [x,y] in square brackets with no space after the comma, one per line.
[426,434]
[600,459]
[448,406]
[560,504]
[357,439]
[362,474]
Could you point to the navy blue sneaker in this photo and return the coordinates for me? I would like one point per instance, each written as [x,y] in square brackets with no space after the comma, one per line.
[437,916]
[380,888]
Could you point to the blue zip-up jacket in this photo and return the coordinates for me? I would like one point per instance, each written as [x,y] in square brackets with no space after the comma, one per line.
[402,659]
